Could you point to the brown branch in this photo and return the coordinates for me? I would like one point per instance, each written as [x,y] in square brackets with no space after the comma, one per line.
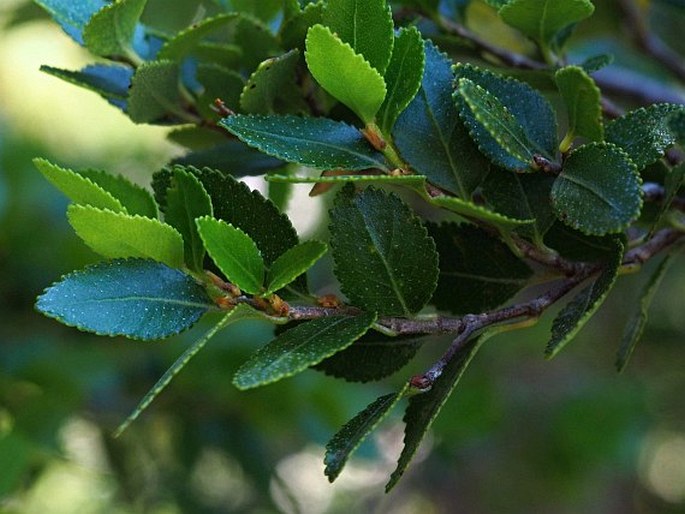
[663,239]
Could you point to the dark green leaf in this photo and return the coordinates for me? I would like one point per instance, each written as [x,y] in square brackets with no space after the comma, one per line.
[154,93]
[351,435]
[265,10]
[583,103]
[218,82]
[673,182]
[72,16]
[256,41]
[187,40]
[576,246]
[134,198]
[384,258]
[301,347]
[233,157]
[135,298]
[316,142]
[292,264]
[294,30]
[471,210]
[110,31]
[477,271]
[110,82]
[585,304]
[599,190]
[596,63]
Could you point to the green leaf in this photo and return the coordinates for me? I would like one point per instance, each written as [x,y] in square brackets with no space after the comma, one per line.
[638,319]
[596,63]
[187,40]
[110,82]
[301,347]
[343,73]
[417,182]
[353,433]
[218,82]
[478,272]
[186,201]
[232,250]
[72,16]
[79,189]
[372,357]
[585,304]
[366,25]
[576,246]
[316,142]
[430,136]
[110,31]
[232,156]
[114,234]
[292,264]
[135,199]
[272,88]
[531,111]
[645,134]
[403,76]
[583,103]
[135,298]
[543,20]
[256,41]
[154,93]
[265,10]
[424,408]
[672,184]
[471,210]
[384,258]
[294,30]
[598,191]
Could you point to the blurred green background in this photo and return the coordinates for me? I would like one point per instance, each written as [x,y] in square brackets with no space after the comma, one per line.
[520,435]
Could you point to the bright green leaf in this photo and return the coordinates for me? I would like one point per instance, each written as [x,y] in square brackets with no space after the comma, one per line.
[114,234]
[154,93]
[599,190]
[292,264]
[344,73]
[583,103]
[110,31]
[136,298]
[300,347]
[134,198]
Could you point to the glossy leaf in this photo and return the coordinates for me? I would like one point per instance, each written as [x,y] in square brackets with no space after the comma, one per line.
[598,191]
[384,258]
[114,234]
[477,271]
[584,305]
[582,98]
[300,347]
[187,200]
[110,31]
[316,142]
[154,94]
[72,16]
[136,298]
[292,264]
[645,134]
[366,25]
[235,254]
[134,198]
[343,73]
[353,433]
[109,81]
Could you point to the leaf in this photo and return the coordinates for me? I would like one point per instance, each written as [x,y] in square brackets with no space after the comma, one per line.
[424,408]
[110,82]
[645,134]
[272,87]
[136,298]
[218,82]
[114,234]
[233,157]
[583,103]
[596,63]
[343,73]
[135,199]
[186,201]
[294,30]
[292,264]
[672,184]
[265,10]
[154,93]
[72,16]
[543,20]
[372,357]
[232,250]
[576,246]
[256,41]
[301,347]
[638,318]
[384,258]
[316,142]
[529,108]
[353,433]
[585,304]
[471,210]
[110,31]
[598,191]
[403,76]
[417,182]
[187,40]
[366,25]
[430,136]
[477,271]
[78,188]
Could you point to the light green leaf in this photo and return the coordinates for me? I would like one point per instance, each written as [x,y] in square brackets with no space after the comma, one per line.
[299,348]
[78,188]
[110,31]
[234,252]
[187,200]
[292,264]
[353,433]
[578,311]
[154,93]
[136,298]
[344,73]
[366,25]
[598,191]
[582,98]
[114,234]
[135,199]
[403,76]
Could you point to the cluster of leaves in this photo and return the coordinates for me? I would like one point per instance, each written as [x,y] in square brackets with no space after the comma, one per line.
[335,86]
